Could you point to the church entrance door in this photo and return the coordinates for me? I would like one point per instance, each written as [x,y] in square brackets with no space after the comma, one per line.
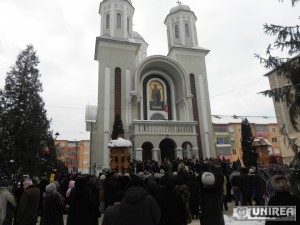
[147,154]
[167,149]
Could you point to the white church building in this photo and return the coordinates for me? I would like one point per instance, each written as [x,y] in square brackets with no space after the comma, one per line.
[163,101]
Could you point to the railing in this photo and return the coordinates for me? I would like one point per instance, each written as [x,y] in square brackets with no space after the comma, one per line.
[162,127]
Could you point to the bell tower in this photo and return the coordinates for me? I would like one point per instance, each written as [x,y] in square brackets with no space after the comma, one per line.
[181,28]
[116,18]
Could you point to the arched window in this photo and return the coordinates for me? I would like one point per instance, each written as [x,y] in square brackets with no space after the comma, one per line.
[118,91]
[119,20]
[176,31]
[187,30]
[107,21]
[128,21]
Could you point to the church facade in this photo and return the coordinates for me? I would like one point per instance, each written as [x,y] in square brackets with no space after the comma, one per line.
[163,101]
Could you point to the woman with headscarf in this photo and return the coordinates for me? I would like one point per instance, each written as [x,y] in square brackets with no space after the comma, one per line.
[53,209]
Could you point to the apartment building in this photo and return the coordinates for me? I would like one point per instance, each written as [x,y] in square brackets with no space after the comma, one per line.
[227,135]
[282,113]
[75,155]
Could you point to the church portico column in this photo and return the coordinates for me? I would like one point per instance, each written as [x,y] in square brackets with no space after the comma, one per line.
[155,153]
[138,154]
[195,153]
[178,153]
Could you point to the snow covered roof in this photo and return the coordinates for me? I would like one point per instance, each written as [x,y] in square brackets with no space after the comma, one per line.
[120,142]
[261,141]
[221,119]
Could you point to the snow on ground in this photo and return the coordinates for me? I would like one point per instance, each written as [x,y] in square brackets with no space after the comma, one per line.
[230,221]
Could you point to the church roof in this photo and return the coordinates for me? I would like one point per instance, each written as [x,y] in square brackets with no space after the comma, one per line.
[226,119]
[137,35]
[120,142]
[123,0]
[180,7]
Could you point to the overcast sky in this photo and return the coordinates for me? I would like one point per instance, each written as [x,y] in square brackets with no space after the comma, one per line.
[63,32]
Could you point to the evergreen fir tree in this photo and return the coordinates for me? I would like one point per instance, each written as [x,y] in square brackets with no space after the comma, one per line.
[249,154]
[287,39]
[27,145]
[117,128]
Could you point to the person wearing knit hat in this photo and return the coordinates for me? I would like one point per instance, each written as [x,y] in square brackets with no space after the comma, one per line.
[210,201]
[50,188]
[282,197]
[208,179]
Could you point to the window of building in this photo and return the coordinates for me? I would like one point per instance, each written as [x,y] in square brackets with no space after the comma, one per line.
[176,31]
[107,21]
[270,151]
[128,22]
[274,140]
[234,151]
[86,153]
[223,151]
[119,20]
[220,129]
[276,150]
[232,141]
[273,129]
[187,30]
[261,128]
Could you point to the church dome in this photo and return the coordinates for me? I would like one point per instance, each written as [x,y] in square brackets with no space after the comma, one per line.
[129,1]
[180,7]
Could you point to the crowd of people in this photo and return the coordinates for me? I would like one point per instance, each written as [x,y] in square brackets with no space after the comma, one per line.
[170,193]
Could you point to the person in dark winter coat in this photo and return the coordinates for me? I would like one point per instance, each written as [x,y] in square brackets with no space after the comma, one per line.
[245,186]
[282,197]
[234,181]
[108,190]
[194,197]
[80,211]
[112,214]
[137,207]
[27,211]
[210,201]
[7,204]
[171,205]
[53,209]
[183,190]
[259,189]
[93,187]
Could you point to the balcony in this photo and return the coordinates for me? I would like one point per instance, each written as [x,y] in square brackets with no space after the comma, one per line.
[160,127]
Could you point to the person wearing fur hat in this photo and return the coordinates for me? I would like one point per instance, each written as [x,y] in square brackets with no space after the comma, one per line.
[53,209]
[210,201]
[7,204]
[283,197]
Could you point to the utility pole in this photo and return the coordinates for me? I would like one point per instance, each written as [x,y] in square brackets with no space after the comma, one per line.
[76,157]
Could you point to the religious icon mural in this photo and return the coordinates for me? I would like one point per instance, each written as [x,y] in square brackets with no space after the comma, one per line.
[156,92]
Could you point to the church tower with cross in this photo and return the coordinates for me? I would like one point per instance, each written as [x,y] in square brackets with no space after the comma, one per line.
[163,100]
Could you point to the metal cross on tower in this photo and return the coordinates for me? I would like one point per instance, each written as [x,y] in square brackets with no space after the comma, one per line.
[179,2]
